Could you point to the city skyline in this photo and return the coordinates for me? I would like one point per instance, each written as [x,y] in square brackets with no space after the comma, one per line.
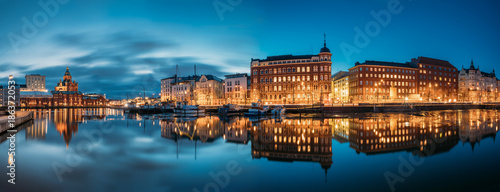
[112,47]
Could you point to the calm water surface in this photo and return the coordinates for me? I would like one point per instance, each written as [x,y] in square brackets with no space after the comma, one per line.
[109,150]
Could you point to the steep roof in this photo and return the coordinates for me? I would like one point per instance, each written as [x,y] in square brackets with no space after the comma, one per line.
[432,61]
[285,57]
[209,77]
[385,63]
[340,75]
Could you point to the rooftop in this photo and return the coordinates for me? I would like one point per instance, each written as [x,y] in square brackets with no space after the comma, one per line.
[385,63]
[431,61]
[339,75]
[237,75]
[285,57]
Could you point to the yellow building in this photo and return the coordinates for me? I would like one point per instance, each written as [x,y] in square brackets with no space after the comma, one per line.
[209,90]
[340,87]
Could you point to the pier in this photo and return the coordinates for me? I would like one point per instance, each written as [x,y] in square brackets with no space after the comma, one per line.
[21,117]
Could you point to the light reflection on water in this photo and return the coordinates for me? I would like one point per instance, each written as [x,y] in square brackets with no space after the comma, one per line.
[162,153]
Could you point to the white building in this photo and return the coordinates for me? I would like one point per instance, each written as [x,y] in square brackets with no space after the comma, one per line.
[35,82]
[236,88]
[477,86]
[178,89]
[193,90]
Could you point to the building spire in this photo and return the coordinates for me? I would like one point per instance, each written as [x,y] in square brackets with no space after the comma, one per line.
[324,34]
[324,49]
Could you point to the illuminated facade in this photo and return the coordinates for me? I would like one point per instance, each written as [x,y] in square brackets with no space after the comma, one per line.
[65,94]
[378,81]
[292,79]
[437,80]
[421,80]
[181,89]
[193,90]
[237,88]
[477,86]
[340,87]
[35,82]
[209,90]
[166,89]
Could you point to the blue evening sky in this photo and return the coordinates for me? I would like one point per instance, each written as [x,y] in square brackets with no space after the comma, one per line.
[118,47]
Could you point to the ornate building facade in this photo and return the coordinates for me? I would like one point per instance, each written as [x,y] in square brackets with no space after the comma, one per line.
[193,90]
[477,86]
[65,94]
[292,79]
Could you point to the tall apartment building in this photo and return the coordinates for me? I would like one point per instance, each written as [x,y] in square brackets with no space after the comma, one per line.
[421,80]
[14,92]
[236,88]
[378,81]
[340,87]
[35,82]
[292,79]
[437,80]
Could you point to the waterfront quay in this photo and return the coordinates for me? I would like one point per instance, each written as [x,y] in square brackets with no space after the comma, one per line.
[21,117]
[340,108]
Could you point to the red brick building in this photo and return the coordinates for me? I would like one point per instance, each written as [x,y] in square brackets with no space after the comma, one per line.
[378,81]
[66,94]
[421,80]
[437,80]
[292,79]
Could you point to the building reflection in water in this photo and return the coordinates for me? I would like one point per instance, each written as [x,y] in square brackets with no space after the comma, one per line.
[288,140]
[476,125]
[236,130]
[423,135]
[293,140]
[65,121]
[39,128]
[206,129]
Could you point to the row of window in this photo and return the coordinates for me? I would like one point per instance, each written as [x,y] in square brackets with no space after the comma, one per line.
[298,88]
[388,76]
[389,83]
[434,67]
[296,61]
[392,70]
[297,96]
[435,73]
[292,78]
[293,70]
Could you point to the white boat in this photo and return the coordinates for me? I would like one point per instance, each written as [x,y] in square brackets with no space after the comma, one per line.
[188,110]
[278,111]
[257,109]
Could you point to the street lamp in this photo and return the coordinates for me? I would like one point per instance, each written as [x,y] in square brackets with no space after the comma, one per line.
[429,94]
[435,87]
